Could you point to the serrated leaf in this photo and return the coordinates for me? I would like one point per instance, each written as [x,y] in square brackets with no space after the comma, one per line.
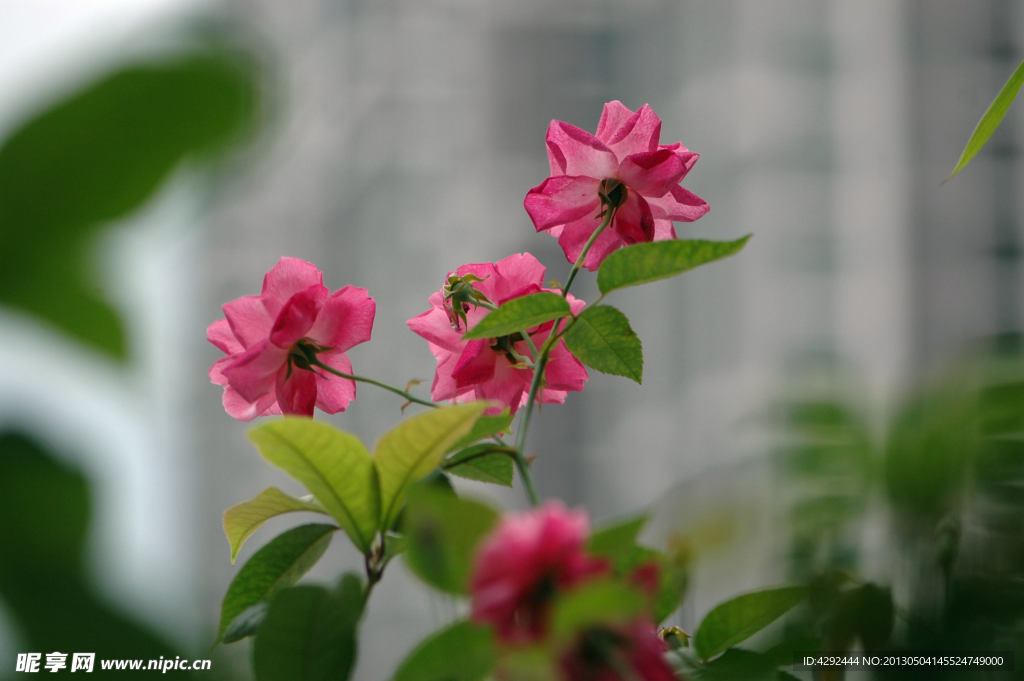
[991,119]
[602,339]
[241,520]
[740,618]
[442,533]
[482,463]
[96,155]
[333,465]
[278,564]
[309,634]
[485,426]
[460,652]
[520,314]
[646,262]
[415,448]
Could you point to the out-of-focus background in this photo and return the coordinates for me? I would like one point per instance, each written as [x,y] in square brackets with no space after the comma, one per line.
[391,141]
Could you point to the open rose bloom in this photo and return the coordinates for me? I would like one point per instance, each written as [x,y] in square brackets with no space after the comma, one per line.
[623,167]
[489,368]
[525,565]
[270,338]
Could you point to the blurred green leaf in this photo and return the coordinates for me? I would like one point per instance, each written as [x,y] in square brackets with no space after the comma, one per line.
[461,652]
[482,463]
[278,564]
[617,540]
[442,532]
[333,465]
[520,314]
[485,426]
[740,618]
[596,603]
[990,120]
[245,624]
[602,339]
[309,634]
[736,664]
[95,156]
[646,262]
[241,520]
[416,447]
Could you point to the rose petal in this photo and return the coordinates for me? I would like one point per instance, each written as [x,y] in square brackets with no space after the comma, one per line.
[562,199]
[333,393]
[572,151]
[346,319]
[626,132]
[296,392]
[679,205]
[476,363]
[219,333]
[249,320]
[297,316]
[254,372]
[652,173]
[285,279]
[633,220]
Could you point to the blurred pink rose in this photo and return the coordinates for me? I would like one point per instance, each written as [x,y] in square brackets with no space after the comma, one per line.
[523,565]
[487,369]
[271,338]
[621,167]
[632,652]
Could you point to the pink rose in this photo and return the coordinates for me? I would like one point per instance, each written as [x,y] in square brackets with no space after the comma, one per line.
[489,369]
[605,653]
[623,168]
[523,565]
[272,339]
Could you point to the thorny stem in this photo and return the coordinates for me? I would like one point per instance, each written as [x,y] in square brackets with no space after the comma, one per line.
[541,361]
[608,217]
[380,384]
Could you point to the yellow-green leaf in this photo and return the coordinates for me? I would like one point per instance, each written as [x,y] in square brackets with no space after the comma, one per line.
[241,520]
[333,465]
[415,448]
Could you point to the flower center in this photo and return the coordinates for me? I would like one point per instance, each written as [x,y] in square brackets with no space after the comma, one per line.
[304,355]
[507,345]
[613,192]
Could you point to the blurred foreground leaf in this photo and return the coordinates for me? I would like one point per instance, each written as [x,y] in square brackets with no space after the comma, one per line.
[462,652]
[309,634]
[740,618]
[93,157]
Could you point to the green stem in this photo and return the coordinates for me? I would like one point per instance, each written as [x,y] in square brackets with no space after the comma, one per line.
[372,381]
[608,217]
[541,362]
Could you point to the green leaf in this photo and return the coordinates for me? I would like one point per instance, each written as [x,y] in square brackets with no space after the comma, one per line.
[245,624]
[740,618]
[990,120]
[278,564]
[415,448]
[460,652]
[646,262]
[602,339]
[241,520]
[95,156]
[485,427]
[616,541]
[597,602]
[482,463]
[520,314]
[442,533]
[333,465]
[309,634]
